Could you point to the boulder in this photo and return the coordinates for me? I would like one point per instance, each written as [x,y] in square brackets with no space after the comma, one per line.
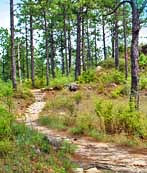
[98,68]
[73,87]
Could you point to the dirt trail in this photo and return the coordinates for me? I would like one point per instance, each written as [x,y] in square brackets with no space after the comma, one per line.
[89,154]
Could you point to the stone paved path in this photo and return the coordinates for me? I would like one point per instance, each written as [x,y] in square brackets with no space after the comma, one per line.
[91,156]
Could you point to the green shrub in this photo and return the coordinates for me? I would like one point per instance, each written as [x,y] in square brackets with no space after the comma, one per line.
[110,76]
[117,77]
[109,64]
[6,120]
[6,146]
[61,81]
[6,94]
[120,91]
[77,97]
[27,83]
[143,82]
[77,131]
[23,93]
[87,76]
[142,60]
[116,92]
[121,119]
[40,83]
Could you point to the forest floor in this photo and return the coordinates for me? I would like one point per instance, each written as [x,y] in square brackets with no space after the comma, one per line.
[91,155]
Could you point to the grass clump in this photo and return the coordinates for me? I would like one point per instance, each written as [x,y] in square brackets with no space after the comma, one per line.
[55,122]
[60,103]
[23,93]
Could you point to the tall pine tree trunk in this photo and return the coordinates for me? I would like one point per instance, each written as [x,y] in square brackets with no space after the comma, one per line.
[95,45]
[78,55]
[135,55]
[19,64]
[125,43]
[65,42]
[83,44]
[69,48]
[116,41]
[13,62]
[32,52]
[104,38]
[46,49]
[62,55]
[52,51]
[27,60]
[89,58]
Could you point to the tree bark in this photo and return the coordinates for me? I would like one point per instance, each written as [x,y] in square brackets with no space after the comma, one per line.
[62,54]
[13,62]
[52,52]
[78,58]
[83,44]
[46,49]
[104,38]
[19,64]
[65,42]
[95,46]
[32,52]
[134,55]
[69,47]
[113,44]
[3,66]
[116,41]
[125,43]
[90,60]
[27,60]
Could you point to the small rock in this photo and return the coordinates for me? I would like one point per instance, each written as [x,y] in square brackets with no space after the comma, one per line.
[98,68]
[93,170]
[62,113]
[57,88]
[113,85]
[78,170]
[89,87]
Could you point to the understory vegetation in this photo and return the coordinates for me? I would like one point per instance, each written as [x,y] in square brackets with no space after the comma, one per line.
[21,148]
[100,108]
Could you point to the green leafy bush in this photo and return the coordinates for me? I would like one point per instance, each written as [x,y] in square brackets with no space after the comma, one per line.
[61,81]
[143,60]
[23,93]
[6,120]
[120,91]
[143,82]
[109,64]
[40,83]
[120,119]
[87,76]
[6,146]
